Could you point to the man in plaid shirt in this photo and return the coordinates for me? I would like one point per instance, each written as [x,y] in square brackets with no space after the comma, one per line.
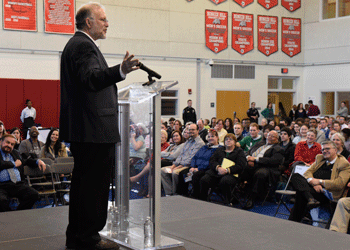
[313,109]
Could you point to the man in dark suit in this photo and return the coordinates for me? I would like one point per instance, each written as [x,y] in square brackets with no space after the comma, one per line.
[89,113]
[11,175]
[263,167]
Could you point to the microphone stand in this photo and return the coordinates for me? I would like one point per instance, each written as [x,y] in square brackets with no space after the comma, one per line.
[150,81]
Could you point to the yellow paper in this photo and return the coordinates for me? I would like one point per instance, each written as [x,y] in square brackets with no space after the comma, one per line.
[226,163]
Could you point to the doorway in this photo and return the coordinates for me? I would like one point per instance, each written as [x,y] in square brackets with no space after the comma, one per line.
[228,102]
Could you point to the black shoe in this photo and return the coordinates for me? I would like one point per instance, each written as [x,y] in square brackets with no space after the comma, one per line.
[106,245]
[312,203]
[249,204]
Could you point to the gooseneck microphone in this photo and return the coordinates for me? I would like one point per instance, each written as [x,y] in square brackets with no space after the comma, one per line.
[149,71]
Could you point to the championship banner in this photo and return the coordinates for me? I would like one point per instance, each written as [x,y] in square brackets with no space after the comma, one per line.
[268,4]
[267,34]
[217,1]
[59,16]
[243,3]
[19,15]
[216,30]
[242,32]
[291,36]
[291,5]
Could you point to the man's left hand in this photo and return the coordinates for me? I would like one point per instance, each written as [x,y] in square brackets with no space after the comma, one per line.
[318,188]
[315,182]
[41,165]
[129,64]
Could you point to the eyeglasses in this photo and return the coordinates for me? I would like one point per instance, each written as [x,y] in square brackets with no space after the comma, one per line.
[326,149]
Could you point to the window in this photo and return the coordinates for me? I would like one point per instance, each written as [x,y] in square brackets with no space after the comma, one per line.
[335,8]
[169,102]
[331,101]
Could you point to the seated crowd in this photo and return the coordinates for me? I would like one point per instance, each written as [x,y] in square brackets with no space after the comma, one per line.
[17,153]
[246,159]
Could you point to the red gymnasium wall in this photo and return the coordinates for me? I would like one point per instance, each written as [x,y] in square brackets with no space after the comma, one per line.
[45,95]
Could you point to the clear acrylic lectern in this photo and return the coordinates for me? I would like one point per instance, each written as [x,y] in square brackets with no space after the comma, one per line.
[137,175]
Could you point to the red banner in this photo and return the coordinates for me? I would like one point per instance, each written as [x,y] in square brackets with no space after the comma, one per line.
[216,30]
[268,4]
[19,15]
[243,3]
[267,34]
[291,5]
[242,32]
[291,36]
[217,1]
[59,16]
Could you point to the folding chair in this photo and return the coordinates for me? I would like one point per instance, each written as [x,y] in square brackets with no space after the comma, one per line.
[300,169]
[64,160]
[64,186]
[47,187]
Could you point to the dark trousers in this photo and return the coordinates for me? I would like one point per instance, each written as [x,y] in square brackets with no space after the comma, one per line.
[26,195]
[91,178]
[27,124]
[196,178]
[225,183]
[304,192]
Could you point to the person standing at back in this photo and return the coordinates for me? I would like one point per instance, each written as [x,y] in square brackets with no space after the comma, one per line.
[189,113]
[28,116]
[89,121]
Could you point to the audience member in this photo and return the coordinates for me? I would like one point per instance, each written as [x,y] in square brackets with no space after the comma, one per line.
[303,134]
[17,133]
[281,111]
[137,144]
[268,112]
[164,140]
[330,172]
[339,142]
[320,134]
[2,129]
[235,120]
[213,122]
[263,122]
[223,176]
[199,165]
[229,125]
[221,131]
[189,113]
[301,112]
[246,125]
[324,127]
[28,116]
[272,123]
[173,151]
[185,134]
[170,175]
[296,130]
[342,120]
[206,124]
[247,142]
[337,126]
[266,129]
[238,131]
[53,147]
[289,148]
[203,132]
[313,109]
[11,175]
[293,112]
[306,151]
[253,113]
[346,133]
[343,110]
[32,146]
[178,125]
[263,167]
[341,216]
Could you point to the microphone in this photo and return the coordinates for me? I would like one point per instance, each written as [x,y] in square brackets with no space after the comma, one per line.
[149,71]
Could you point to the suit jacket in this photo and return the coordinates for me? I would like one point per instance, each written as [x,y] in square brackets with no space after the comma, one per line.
[89,95]
[16,156]
[339,177]
[272,158]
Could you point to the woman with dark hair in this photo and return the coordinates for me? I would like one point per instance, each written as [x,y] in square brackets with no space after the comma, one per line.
[229,125]
[293,112]
[17,133]
[346,133]
[53,147]
[213,122]
[28,117]
[2,129]
[268,112]
[223,175]
[281,111]
[178,125]
[301,112]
